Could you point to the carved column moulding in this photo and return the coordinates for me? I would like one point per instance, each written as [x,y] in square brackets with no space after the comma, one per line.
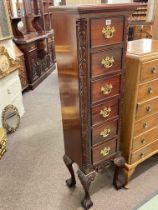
[82,42]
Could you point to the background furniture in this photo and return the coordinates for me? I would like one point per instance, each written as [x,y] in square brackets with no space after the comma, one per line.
[9,83]
[139,132]
[33,35]
[142,20]
[3,142]
[90,49]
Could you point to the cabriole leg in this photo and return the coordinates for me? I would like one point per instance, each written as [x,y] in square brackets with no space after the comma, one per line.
[86,182]
[68,162]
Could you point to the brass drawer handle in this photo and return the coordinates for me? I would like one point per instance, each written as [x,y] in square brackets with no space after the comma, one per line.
[145,125]
[154,70]
[142,155]
[105,151]
[107,62]
[142,141]
[105,112]
[106,89]
[108,32]
[149,109]
[150,90]
[105,132]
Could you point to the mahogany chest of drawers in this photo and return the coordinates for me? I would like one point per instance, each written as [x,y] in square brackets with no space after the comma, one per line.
[139,130]
[90,48]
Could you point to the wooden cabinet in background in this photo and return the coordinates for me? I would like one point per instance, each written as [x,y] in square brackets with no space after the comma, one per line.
[90,49]
[34,36]
[139,128]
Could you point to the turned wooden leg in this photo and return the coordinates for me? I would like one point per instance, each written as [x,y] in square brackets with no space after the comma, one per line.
[119,164]
[128,173]
[68,162]
[86,181]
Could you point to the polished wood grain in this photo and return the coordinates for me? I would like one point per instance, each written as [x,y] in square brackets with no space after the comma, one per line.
[112,111]
[145,138]
[97,25]
[148,90]
[97,151]
[112,82]
[149,70]
[138,155]
[145,124]
[147,108]
[110,128]
[98,69]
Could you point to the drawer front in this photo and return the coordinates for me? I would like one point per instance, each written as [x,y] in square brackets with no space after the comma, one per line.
[104,150]
[148,91]
[105,88]
[31,47]
[149,70]
[137,156]
[104,111]
[147,108]
[145,124]
[104,132]
[105,31]
[106,62]
[146,138]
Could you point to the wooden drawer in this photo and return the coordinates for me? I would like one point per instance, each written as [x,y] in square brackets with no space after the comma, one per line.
[106,62]
[104,88]
[149,70]
[104,150]
[148,90]
[146,138]
[141,154]
[147,108]
[104,111]
[106,131]
[105,31]
[145,124]
[31,47]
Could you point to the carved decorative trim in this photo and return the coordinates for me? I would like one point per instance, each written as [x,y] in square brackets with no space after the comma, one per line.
[3,142]
[82,42]
[6,62]
[86,179]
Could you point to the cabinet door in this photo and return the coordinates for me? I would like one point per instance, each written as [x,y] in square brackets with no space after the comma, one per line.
[34,67]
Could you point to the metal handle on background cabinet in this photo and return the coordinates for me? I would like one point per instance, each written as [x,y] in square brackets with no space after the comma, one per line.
[150,90]
[145,125]
[104,152]
[106,89]
[105,112]
[108,31]
[149,109]
[142,141]
[107,62]
[142,155]
[105,132]
[154,70]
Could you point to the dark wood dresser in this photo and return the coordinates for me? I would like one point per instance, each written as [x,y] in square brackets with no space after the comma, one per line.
[90,48]
[139,130]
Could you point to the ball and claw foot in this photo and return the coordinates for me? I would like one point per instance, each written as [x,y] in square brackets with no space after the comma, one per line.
[87,203]
[70,183]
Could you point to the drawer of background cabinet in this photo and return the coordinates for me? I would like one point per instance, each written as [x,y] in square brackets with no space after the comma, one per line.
[31,47]
[146,138]
[149,70]
[105,31]
[104,88]
[104,111]
[104,131]
[106,62]
[147,108]
[104,150]
[148,90]
[145,124]
[140,154]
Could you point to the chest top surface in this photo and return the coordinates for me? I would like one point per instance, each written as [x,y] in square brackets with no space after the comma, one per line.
[142,47]
[89,8]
